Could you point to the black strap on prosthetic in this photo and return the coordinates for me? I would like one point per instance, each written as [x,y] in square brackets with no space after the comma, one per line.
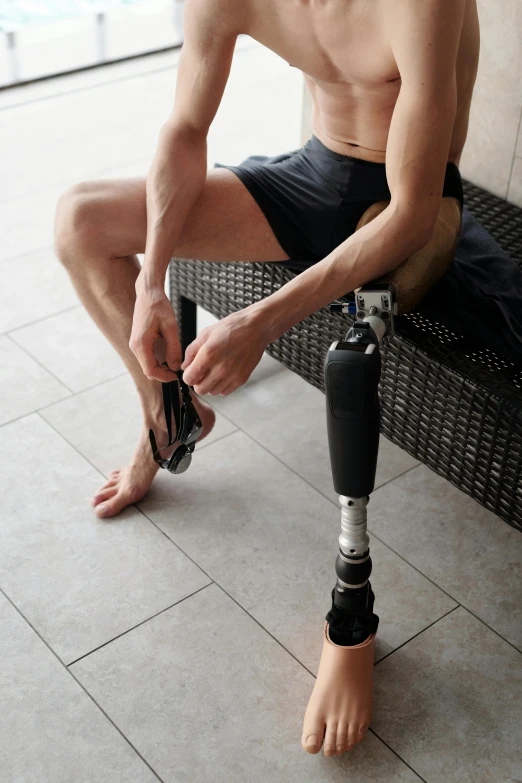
[351,619]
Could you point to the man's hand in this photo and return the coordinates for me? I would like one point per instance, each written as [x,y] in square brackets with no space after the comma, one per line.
[154,329]
[223,355]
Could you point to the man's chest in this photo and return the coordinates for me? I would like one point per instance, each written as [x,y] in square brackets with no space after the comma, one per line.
[335,42]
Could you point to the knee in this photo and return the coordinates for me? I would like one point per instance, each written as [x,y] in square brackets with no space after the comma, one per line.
[78,224]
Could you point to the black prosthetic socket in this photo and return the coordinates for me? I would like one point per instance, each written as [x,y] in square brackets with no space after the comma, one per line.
[351,619]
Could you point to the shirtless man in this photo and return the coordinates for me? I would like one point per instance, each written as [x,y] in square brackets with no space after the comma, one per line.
[391,83]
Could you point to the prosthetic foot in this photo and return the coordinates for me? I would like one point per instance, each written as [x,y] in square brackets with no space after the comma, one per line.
[340,708]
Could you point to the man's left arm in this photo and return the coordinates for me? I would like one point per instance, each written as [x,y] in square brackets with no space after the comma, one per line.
[424,36]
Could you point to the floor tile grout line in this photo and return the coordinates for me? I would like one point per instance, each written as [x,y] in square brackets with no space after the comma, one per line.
[89,695]
[7,332]
[457,601]
[102,84]
[240,606]
[49,372]
[511,644]
[382,541]
[87,87]
[453,608]
[218,584]
[255,620]
[132,628]
[57,402]
[83,391]
[294,471]
[66,667]
[519,127]
[228,434]
[398,756]
[27,252]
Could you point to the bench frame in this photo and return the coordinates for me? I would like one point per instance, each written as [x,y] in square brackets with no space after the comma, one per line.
[456,409]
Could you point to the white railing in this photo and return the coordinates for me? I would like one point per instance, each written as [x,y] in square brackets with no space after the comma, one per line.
[17,16]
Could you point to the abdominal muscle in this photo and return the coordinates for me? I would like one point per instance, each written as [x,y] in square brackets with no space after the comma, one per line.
[353,120]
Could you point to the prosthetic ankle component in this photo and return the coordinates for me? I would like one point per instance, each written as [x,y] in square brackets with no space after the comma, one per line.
[351,617]
[352,371]
[188,426]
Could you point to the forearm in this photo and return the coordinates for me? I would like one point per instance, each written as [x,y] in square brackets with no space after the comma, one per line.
[366,255]
[175,180]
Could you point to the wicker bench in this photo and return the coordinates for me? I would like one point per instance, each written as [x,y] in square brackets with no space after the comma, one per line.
[452,407]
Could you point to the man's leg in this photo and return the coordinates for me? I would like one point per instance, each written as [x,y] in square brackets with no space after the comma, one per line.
[340,708]
[100,227]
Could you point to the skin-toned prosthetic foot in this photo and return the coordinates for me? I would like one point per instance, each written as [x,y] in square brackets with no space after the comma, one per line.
[340,707]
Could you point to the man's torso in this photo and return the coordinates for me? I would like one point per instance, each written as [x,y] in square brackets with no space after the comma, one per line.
[343,49]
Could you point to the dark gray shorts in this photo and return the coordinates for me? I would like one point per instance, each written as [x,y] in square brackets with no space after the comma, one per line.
[313,197]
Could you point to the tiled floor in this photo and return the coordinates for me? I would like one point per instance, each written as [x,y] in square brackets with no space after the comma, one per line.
[179,642]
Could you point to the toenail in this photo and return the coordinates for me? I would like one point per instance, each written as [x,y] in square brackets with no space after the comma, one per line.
[329,748]
[102,507]
[339,748]
[311,741]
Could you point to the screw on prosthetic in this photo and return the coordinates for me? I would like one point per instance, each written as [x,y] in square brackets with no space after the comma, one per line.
[352,372]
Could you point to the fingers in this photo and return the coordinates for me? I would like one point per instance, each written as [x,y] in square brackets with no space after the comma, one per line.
[192,351]
[144,352]
[198,368]
[223,383]
[173,351]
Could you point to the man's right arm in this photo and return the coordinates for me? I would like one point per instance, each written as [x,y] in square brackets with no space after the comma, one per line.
[179,169]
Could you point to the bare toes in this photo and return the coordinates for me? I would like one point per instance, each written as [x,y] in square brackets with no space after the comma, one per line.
[355,735]
[111,507]
[104,493]
[340,743]
[313,739]
[330,740]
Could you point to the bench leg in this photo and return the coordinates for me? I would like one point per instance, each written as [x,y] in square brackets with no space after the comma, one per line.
[184,309]
[187,321]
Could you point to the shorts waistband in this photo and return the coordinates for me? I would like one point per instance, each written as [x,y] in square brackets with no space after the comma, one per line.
[452,178]
[317,145]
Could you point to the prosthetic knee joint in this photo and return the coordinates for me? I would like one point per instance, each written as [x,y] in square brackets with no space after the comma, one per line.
[352,371]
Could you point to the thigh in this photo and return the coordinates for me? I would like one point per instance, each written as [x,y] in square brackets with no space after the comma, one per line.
[225,223]
[418,273]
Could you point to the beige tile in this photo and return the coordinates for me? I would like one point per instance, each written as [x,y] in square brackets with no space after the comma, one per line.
[36,286]
[80,581]
[26,222]
[104,423]
[497,100]
[449,703]
[72,348]
[465,549]
[288,417]
[24,384]
[271,541]
[71,159]
[50,728]
[221,701]
[515,185]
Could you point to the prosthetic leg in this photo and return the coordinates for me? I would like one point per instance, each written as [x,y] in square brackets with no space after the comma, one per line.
[340,707]
[352,371]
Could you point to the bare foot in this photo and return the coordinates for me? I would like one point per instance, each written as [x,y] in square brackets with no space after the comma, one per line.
[130,484]
[340,707]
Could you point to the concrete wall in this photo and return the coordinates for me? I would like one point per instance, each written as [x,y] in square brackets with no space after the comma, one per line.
[493,153]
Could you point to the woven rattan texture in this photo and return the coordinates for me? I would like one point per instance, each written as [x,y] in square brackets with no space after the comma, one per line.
[455,409]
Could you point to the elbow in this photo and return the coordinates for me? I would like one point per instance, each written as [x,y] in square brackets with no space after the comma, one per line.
[417,231]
